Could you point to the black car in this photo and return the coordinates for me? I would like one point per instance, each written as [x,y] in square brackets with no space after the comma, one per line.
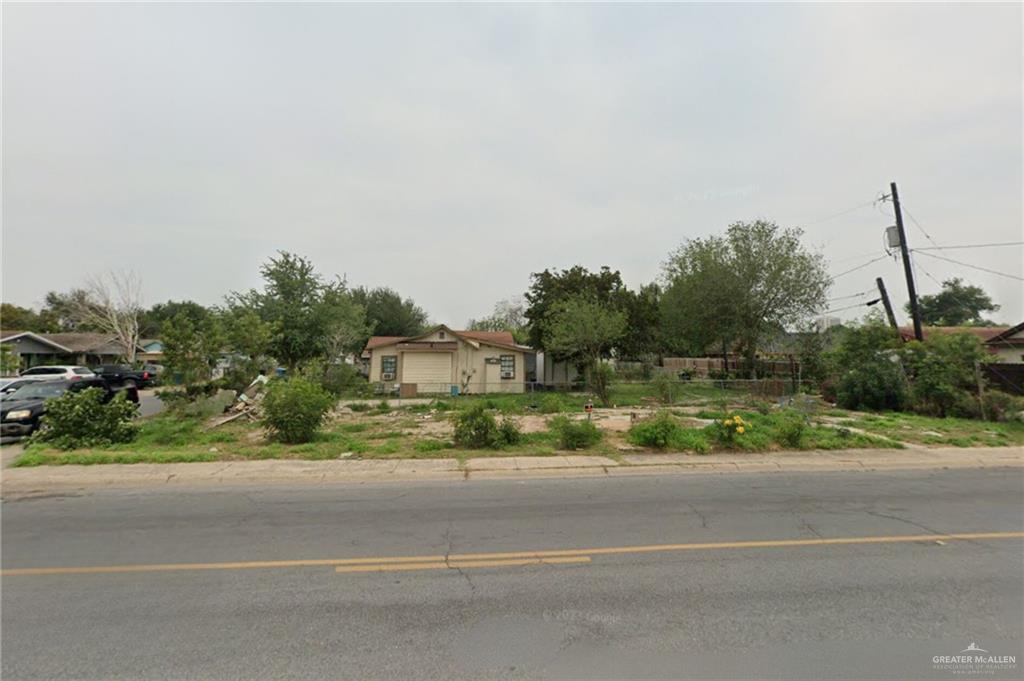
[124,375]
[21,409]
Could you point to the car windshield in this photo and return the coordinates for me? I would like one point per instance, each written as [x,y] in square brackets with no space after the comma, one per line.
[40,390]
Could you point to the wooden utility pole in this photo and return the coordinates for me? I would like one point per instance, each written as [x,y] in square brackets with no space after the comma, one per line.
[907,269]
[888,305]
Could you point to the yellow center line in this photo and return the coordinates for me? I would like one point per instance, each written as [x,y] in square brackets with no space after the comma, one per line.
[458,565]
[543,555]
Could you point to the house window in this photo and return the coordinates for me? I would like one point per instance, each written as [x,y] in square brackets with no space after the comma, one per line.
[389,365]
[440,335]
[508,366]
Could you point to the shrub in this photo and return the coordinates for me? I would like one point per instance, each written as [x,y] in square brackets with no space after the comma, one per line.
[551,404]
[294,409]
[877,384]
[790,430]
[600,378]
[574,434]
[81,419]
[664,388]
[508,431]
[1000,406]
[729,430]
[659,432]
[383,407]
[359,406]
[475,428]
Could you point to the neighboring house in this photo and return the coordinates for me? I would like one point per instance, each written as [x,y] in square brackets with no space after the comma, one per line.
[1008,345]
[443,360]
[986,334]
[151,350]
[89,349]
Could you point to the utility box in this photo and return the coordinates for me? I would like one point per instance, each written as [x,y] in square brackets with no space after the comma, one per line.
[892,237]
[407,390]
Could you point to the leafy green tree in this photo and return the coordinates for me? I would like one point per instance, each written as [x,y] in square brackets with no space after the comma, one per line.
[958,304]
[741,286]
[15,317]
[549,288]
[191,348]
[308,318]
[942,371]
[152,320]
[642,336]
[866,360]
[9,362]
[62,310]
[581,329]
[388,314]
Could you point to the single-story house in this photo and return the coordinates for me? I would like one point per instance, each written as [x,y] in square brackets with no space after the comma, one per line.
[444,360]
[89,349]
[998,339]
[1008,345]
[151,350]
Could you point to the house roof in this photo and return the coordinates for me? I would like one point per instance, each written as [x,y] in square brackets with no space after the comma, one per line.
[44,338]
[499,338]
[65,342]
[1006,335]
[984,333]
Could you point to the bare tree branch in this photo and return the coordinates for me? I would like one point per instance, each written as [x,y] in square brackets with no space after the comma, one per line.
[113,304]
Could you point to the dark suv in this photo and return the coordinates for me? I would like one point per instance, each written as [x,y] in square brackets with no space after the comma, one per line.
[124,374]
[20,410]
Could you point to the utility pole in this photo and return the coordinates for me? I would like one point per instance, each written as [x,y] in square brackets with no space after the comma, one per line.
[885,301]
[905,251]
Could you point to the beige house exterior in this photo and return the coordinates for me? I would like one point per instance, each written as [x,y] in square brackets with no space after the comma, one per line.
[1008,346]
[443,361]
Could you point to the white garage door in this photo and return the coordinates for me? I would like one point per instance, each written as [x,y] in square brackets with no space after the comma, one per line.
[430,371]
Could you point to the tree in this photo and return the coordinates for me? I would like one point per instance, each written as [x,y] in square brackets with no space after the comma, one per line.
[958,304]
[582,329]
[191,347]
[60,310]
[739,287]
[388,314]
[508,315]
[549,288]
[866,361]
[246,334]
[14,317]
[111,304]
[643,320]
[152,320]
[308,318]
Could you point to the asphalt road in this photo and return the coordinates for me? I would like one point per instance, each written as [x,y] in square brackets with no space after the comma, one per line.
[800,609]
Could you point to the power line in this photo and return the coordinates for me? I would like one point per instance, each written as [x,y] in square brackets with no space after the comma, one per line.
[977,267]
[948,248]
[859,267]
[923,231]
[853,295]
[840,214]
[850,307]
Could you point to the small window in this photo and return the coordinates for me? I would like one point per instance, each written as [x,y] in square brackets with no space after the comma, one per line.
[389,364]
[440,335]
[508,366]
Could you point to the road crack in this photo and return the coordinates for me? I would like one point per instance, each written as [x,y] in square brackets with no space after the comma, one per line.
[703,518]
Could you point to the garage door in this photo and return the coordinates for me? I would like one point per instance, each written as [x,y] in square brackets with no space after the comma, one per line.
[430,371]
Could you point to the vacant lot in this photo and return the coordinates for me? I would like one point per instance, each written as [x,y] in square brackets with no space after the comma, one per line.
[378,429]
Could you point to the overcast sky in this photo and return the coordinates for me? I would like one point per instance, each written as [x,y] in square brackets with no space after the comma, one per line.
[448,151]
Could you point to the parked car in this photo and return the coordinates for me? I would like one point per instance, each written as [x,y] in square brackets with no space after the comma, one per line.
[9,385]
[124,375]
[68,372]
[21,410]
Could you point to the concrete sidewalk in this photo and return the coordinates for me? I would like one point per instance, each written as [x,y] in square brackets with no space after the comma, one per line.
[45,479]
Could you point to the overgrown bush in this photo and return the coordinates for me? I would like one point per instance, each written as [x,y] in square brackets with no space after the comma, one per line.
[476,428]
[81,419]
[660,432]
[294,409]
[600,378]
[790,429]
[1000,406]
[337,378]
[878,384]
[551,404]
[729,430]
[664,388]
[573,434]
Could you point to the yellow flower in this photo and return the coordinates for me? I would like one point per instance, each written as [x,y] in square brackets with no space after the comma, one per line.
[740,429]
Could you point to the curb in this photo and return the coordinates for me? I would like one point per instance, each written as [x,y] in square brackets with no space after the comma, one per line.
[22,482]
